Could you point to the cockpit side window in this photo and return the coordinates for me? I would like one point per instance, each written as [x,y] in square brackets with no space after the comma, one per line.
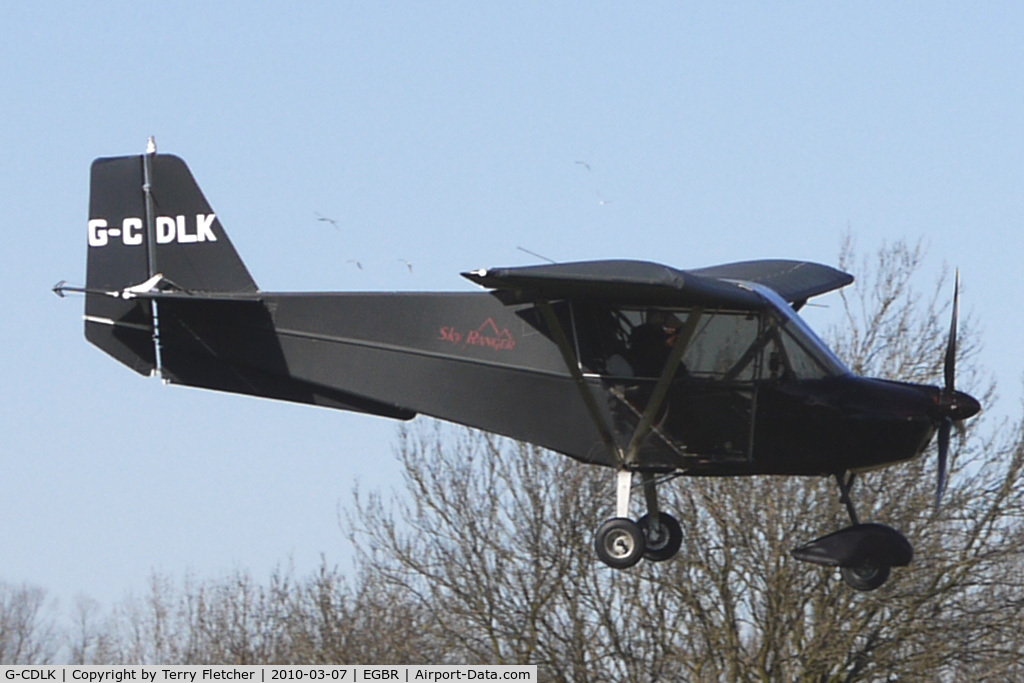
[633,342]
[734,346]
[720,348]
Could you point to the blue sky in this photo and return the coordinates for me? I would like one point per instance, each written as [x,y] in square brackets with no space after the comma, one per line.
[447,134]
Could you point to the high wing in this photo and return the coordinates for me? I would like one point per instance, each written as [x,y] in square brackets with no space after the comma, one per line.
[622,281]
[643,282]
[794,281]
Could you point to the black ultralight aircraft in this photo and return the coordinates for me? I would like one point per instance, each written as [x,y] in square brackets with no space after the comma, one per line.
[635,366]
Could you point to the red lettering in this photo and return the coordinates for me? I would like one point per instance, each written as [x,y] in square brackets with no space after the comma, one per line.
[449,334]
[487,335]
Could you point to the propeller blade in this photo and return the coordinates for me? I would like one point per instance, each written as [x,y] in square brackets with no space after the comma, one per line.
[950,364]
[940,487]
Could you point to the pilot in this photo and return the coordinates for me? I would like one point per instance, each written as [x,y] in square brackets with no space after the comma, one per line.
[648,349]
[646,353]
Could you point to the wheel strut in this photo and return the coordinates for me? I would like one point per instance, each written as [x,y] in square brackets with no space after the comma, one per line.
[651,497]
[845,481]
[623,489]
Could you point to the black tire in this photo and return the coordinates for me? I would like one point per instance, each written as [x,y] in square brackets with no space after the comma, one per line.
[619,543]
[664,542]
[865,577]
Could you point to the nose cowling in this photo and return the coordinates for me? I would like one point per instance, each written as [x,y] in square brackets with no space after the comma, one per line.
[954,405]
[964,406]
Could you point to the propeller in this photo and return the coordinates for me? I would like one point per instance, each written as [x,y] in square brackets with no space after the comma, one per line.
[948,397]
[940,485]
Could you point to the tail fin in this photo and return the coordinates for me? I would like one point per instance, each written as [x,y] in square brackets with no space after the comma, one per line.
[148,217]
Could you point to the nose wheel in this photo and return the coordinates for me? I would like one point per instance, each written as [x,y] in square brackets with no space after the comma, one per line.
[864,553]
[866,576]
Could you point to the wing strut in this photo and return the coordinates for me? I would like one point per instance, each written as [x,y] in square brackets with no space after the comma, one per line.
[627,458]
[574,369]
[657,400]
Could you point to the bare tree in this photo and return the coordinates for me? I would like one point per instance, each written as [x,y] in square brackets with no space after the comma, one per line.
[88,639]
[487,541]
[237,620]
[27,631]
[331,622]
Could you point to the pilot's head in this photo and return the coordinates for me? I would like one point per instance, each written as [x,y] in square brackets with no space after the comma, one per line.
[647,337]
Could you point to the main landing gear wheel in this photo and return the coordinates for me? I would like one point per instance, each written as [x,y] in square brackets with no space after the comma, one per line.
[662,541]
[866,576]
[619,543]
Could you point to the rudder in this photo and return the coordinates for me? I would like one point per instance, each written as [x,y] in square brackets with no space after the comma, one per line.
[148,217]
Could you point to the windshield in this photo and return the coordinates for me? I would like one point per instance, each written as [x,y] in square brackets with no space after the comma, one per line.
[809,356]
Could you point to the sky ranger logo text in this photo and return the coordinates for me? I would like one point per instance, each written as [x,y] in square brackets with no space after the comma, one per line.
[487,335]
[167,228]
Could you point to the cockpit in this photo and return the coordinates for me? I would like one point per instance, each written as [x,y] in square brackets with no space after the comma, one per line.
[712,365]
[731,346]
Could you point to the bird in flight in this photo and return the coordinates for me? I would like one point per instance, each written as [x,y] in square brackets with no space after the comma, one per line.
[324,219]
